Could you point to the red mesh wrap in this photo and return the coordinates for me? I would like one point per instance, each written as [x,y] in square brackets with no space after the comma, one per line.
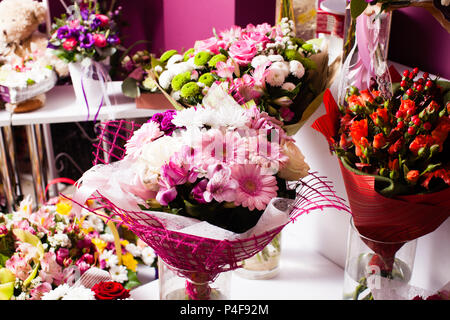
[190,252]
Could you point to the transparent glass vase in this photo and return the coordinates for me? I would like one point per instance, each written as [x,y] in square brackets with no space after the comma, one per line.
[265,264]
[178,284]
[368,259]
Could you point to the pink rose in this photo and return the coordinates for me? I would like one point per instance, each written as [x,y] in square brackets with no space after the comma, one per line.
[211,44]
[104,20]
[242,52]
[99,40]
[256,37]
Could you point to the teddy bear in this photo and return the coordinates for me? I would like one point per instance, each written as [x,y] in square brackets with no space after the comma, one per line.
[23,48]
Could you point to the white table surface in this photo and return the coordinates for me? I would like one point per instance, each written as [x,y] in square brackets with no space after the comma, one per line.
[61,106]
[304,273]
[5,118]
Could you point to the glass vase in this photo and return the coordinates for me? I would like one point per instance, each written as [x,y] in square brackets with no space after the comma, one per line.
[368,260]
[178,284]
[265,264]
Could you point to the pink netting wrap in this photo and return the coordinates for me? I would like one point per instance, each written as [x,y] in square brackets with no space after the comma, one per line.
[193,253]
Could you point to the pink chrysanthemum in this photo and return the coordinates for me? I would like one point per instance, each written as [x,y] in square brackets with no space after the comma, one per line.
[255,189]
[149,132]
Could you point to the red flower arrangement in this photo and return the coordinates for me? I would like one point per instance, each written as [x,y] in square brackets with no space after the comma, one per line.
[393,155]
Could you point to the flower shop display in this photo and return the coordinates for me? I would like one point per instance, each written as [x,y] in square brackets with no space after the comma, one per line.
[266,64]
[205,187]
[51,246]
[27,69]
[85,38]
[393,154]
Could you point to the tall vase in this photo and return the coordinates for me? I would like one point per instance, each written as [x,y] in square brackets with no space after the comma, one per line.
[265,264]
[368,260]
[177,284]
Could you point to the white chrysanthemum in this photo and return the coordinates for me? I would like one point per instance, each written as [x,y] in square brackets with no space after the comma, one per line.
[158,69]
[180,67]
[119,273]
[275,57]
[165,79]
[59,239]
[174,59]
[259,60]
[79,293]
[110,258]
[275,77]
[56,294]
[289,86]
[281,65]
[107,237]
[297,68]
[133,249]
[94,222]
[176,95]
[148,256]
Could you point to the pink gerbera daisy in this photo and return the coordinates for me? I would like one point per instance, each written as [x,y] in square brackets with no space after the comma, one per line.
[255,189]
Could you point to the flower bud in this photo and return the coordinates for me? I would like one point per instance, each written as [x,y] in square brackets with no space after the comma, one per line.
[412,176]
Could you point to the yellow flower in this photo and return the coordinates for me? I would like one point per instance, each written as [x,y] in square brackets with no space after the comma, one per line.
[63,207]
[124,243]
[99,244]
[129,261]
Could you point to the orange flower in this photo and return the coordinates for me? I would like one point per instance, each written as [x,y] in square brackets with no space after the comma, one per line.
[420,141]
[393,164]
[412,176]
[382,113]
[379,141]
[366,96]
[359,129]
[440,133]
[408,107]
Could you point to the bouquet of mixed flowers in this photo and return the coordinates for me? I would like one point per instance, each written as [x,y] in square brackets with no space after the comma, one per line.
[394,159]
[49,247]
[84,32]
[266,64]
[206,187]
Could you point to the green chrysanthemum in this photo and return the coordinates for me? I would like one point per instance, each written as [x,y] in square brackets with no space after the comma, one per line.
[207,79]
[180,80]
[167,55]
[291,54]
[202,58]
[187,54]
[190,89]
[215,59]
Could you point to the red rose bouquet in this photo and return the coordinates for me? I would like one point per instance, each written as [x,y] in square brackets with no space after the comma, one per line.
[394,160]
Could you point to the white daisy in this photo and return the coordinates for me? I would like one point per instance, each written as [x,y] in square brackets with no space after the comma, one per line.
[133,249]
[119,273]
[148,256]
[110,258]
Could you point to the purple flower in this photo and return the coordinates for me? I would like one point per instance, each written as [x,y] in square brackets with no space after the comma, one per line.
[165,196]
[96,23]
[86,40]
[157,117]
[61,255]
[63,32]
[113,40]
[198,191]
[84,14]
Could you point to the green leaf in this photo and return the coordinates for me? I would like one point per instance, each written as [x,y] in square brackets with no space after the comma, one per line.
[130,88]
[357,7]
[133,280]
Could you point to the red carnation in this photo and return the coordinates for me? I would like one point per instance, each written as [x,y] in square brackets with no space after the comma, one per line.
[110,290]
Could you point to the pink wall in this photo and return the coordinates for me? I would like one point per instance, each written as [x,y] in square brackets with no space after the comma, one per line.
[191,20]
